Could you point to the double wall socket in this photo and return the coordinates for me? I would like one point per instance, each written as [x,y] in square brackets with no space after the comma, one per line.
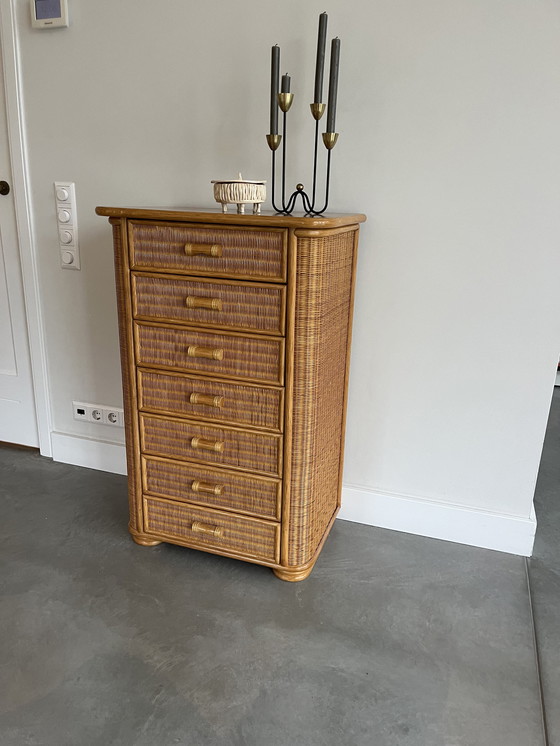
[98,413]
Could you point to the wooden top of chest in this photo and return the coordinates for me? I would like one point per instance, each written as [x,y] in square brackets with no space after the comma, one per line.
[215,216]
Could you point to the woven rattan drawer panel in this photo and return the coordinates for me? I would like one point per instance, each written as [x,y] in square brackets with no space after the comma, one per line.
[225,446]
[210,399]
[232,355]
[251,253]
[216,488]
[248,307]
[212,528]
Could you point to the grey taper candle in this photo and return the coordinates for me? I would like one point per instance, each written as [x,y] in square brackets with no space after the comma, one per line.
[274,78]
[333,84]
[321,40]
[285,83]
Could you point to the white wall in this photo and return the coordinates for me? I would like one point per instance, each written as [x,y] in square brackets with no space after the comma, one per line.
[448,118]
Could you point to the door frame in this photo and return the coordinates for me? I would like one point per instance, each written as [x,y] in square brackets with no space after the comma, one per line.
[24,224]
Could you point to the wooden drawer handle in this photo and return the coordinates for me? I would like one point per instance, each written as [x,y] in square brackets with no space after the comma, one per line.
[207,487]
[212,304]
[204,528]
[206,444]
[212,353]
[203,249]
[208,399]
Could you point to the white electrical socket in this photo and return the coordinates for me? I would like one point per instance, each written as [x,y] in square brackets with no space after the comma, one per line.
[112,416]
[98,414]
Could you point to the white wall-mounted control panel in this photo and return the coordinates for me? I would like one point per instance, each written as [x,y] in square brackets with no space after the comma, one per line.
[49,13]
[67,224]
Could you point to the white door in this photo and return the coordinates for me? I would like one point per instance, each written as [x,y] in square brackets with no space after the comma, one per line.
[18,423]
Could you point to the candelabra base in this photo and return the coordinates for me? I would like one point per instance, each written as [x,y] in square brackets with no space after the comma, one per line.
[287,208]
[306,203]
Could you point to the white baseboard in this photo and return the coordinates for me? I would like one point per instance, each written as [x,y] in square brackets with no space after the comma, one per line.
[412,515]
[479,528]
[94,454]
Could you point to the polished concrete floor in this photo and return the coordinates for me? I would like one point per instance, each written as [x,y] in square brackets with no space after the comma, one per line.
[394,640]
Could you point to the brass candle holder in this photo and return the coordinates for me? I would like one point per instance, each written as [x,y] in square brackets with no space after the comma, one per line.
[285,101]
[273,141]
[329,139]
[317,110]
[287,206]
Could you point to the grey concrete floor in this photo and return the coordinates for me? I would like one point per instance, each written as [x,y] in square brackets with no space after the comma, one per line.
[394,640]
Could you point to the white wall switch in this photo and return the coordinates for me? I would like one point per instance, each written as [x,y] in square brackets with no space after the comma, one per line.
[67,221]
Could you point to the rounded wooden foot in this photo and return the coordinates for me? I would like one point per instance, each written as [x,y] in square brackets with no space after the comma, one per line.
[143,540]
[292,576]
[146,542]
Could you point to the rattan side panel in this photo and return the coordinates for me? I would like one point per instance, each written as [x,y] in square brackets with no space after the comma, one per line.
[242,535]
[128,380]
[238,492]
[169,393]
[257,451]
[248,307]
[322,313]
[254,358]
[249,253]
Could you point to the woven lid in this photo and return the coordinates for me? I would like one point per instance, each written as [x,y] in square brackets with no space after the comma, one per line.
[239,180]
[236,181]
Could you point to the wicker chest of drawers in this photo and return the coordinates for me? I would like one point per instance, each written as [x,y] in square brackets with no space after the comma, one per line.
[235,336]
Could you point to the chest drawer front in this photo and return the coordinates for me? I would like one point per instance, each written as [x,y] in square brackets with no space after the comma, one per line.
[213,529]
[216,488]
[257,359]
[222,446]
[246,307]
[210,399]
[209,250]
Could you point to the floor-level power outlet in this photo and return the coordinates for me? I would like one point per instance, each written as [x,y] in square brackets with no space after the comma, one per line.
[98,413]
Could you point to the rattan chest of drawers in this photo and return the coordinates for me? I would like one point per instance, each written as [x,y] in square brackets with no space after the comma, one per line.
[235,336]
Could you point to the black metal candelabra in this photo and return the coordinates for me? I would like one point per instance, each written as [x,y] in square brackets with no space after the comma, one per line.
[274,140]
